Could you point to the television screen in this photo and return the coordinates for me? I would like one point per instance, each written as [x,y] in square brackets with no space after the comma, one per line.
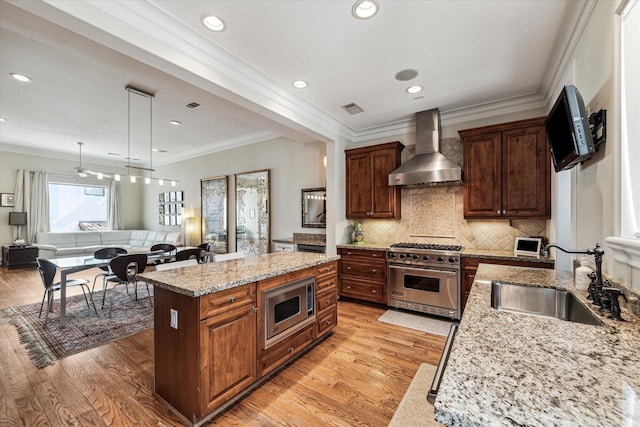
[568,130]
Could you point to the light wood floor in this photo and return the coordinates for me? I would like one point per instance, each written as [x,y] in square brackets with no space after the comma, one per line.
[355,377]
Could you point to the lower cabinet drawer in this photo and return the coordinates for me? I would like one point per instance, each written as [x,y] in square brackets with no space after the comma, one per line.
[326,283]
[326,300]
[327,320]
[374,292]
[223,301]
[275,356]
[367,270]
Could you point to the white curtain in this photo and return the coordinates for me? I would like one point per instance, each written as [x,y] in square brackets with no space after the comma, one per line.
[32,197]
[115,206]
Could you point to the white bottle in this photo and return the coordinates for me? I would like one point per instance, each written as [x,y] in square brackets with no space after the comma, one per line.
[582,275]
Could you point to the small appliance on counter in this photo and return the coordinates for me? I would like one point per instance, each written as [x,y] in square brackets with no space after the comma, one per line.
[527,246]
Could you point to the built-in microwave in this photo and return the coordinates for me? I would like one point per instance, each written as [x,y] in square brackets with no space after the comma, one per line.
[288,308]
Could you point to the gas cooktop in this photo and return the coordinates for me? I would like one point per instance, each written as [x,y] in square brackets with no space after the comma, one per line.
[427,246]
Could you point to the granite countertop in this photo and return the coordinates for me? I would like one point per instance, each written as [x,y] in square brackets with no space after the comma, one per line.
[212,277]
[503,255]
[466,253]
[365,246]
[516,369]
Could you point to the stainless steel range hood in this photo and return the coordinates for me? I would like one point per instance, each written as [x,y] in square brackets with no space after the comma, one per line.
[428,167]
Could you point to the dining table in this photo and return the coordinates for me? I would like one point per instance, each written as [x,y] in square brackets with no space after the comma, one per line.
[70,265]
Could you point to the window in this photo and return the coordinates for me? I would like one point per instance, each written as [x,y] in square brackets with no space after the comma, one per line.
[630,125]
[75,207]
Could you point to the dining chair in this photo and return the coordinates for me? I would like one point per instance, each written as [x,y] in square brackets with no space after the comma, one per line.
[105,253]
[226,257]
[194,253]
[47,271]
[176,264]
[167,254]
[126,269]
[206,248]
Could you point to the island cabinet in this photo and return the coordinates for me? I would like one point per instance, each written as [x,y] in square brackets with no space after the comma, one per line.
[469,266]
[507,171]
[211,350]
[363,274]
[368,193]
[194,371]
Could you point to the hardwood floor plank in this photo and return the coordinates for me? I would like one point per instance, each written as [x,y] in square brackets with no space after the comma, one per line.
[356,377]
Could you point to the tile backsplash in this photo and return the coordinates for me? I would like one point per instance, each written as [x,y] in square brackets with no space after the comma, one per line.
[435,215]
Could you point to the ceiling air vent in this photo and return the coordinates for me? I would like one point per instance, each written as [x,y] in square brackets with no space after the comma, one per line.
[353,108]
[192,105]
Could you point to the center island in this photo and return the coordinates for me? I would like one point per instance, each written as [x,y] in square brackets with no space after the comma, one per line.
[222,328]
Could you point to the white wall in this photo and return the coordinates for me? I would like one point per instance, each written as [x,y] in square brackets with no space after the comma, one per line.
[293,166]
[597,194]
[11,162]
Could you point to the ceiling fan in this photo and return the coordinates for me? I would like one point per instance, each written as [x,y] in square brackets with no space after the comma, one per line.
[81,172]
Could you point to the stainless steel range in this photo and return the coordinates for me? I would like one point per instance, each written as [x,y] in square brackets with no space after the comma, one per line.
[425,278]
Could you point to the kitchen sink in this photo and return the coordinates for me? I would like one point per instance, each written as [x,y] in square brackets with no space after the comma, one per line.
[547,302]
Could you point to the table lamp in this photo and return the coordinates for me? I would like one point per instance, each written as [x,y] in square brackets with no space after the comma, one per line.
[17,219]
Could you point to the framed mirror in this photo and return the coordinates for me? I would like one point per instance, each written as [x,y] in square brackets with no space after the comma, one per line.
[214,206]
[314,207]
[252,212]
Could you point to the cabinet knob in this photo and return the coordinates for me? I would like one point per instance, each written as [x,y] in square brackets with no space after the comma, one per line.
[373,270]
[348,286]
[328,322]
[373,290]
[232,299]
[348,267]
[498,211]
[291,349]
[328,302]
[348,253]
[504,211]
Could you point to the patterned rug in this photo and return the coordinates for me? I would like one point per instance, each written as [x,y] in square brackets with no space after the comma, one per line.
[84,330]
[417,321]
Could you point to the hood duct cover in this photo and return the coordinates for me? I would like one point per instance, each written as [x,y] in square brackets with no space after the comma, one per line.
[428,167]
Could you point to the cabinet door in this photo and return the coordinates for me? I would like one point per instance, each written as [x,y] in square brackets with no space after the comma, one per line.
[358,185]
[526,191]
[228,355]
[482,181]
[386,204]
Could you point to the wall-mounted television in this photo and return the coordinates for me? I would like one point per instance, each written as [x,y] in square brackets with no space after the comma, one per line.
[568,130]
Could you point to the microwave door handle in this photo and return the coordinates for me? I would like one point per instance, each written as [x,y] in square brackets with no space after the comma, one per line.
[437,378]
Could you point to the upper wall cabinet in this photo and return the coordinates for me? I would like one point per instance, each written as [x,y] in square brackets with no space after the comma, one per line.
[368,194]
[507,170]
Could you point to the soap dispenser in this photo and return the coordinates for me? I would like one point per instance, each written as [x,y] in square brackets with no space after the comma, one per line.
[582,275]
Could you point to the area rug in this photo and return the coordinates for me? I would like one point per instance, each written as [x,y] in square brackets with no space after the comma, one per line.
[84,330]
[414,410]
[420,322]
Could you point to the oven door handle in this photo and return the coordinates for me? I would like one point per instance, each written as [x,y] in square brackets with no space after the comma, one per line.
[422,271]
[437,378]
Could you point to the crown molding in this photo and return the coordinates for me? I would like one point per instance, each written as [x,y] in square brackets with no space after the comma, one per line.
[575,17]
[228,144]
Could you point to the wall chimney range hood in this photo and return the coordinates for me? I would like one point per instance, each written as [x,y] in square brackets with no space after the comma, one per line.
[428,167]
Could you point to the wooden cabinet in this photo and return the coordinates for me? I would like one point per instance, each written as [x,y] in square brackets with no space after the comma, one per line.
[507,171]
[368,194]
[363,275]
[469,266]
[230,331]
[19,256]
[193,368]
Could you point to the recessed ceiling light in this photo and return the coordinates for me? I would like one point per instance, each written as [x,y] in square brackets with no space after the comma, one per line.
[175,122]
[365,9]
[405,75]
[213,23]
[21,77]
[300,84]
[2,119]
[414,89]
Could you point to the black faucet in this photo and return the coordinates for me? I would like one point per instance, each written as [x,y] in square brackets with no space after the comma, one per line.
[597,253]
[612,295]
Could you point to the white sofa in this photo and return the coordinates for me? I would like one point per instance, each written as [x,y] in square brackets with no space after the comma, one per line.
[77,243]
